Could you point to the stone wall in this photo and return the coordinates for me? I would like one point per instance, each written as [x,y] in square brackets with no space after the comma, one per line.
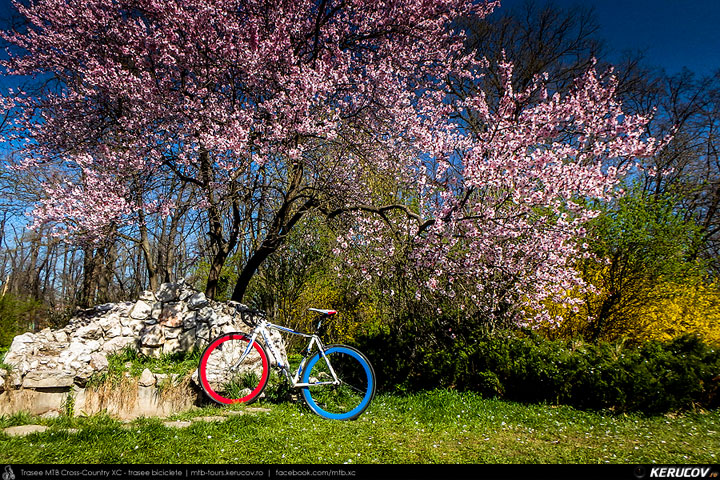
[52,367]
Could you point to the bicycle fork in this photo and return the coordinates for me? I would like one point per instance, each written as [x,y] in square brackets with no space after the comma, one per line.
[245,353]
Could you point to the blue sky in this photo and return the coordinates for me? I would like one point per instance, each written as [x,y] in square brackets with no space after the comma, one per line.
[672,33]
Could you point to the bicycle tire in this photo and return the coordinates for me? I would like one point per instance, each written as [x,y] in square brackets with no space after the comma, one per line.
[224,386]
[352,397]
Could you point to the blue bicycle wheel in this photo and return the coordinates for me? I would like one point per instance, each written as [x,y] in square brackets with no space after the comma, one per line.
[351,396]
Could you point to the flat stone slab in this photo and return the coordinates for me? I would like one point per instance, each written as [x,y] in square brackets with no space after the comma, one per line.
[213,418]
[22,430]
[48,379]
[177,424]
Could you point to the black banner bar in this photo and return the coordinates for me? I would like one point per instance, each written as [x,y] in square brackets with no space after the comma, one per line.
[358,472]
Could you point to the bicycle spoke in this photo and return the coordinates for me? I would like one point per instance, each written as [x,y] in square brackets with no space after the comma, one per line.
[351,396]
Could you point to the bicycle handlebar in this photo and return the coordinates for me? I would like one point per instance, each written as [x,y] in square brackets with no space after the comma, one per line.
[246,312]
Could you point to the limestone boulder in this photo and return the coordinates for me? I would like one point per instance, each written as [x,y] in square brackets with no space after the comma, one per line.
[116,344]
[197,301]
[172,314]
[147,379]
[148,296]
[141,310]
[48,379]
[168,292]
[152,336]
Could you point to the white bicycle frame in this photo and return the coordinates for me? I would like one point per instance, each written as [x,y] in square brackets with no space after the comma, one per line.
[262,329]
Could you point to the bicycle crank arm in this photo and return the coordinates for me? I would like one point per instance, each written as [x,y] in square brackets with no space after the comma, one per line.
[315,384]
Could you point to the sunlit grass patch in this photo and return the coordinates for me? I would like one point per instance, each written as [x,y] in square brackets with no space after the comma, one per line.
[431,427]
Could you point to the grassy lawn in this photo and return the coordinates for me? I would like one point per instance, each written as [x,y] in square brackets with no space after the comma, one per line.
[434,427]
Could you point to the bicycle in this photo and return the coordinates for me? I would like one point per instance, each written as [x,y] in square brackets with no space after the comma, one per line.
[337,381]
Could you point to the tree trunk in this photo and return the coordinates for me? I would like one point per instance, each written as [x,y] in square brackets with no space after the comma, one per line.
[250,268]
[147,253]
[90,273]
[213,279]
[281,226]
[220,247]
[106,271]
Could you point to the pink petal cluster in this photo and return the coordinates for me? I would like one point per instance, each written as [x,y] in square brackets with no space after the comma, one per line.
[255,83]
[351,94]
[501,218]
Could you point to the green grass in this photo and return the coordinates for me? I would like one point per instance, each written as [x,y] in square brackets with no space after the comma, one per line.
[129,361]
[433,427]
[3,365]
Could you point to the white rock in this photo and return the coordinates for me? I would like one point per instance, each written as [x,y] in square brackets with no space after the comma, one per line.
[156,310]
[114,331]
[129,322]
[187,340]
[106,322]
[172,314]
[76,348]
[98,362]
[84,358]
[106,307]
[171,332]
[92,345]
[205,315]
[228,328]
[23,430]
[141,310]
[116,344]
[152,336]
[15,379]
[197,301]
[152,352]
[45,335]
[203,332]
[168,292]
[221,320]
[189,320]
[147,295]
[48,379]
[83,374]
[171,346]
[61,337]
[22,343]
[93,331]
[123,309]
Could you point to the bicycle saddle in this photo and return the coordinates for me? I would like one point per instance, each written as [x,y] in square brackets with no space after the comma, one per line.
[324,312]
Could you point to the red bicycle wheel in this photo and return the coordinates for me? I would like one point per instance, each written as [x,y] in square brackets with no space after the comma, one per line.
[225,384]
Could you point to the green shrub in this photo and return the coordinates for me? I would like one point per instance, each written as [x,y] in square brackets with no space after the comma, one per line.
[15,317]
[656,377]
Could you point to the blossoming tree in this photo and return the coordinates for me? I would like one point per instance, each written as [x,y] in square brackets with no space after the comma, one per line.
[274,110]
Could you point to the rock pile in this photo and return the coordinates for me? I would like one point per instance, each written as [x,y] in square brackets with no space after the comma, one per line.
[174,319]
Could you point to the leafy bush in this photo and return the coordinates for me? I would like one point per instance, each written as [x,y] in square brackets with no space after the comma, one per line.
[653,378]
[650,283]
[16,317]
